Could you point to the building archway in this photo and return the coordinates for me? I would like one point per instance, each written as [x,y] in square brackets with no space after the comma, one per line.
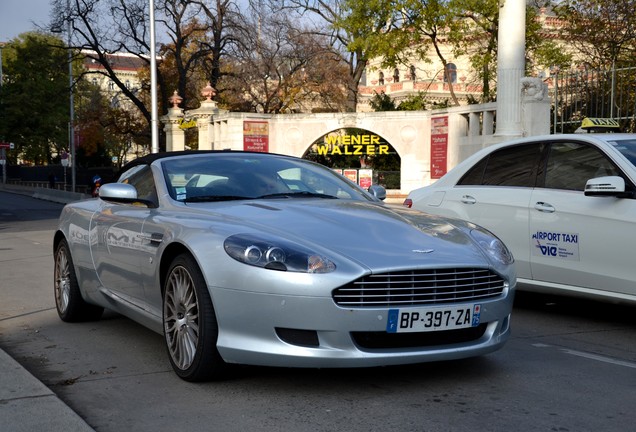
[428,142]
[359,155]
[407,132]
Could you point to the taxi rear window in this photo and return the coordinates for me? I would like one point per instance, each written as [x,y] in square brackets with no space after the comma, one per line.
[510,166]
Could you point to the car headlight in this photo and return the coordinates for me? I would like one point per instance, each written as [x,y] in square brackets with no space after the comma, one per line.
[276,254]
[493,247]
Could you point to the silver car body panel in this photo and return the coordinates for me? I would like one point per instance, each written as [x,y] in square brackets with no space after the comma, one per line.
[118,251]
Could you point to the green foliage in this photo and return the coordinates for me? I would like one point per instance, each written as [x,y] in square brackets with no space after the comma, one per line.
[34,105]
[602,31]
[552,55]
[368,23]
[105,129]
[476,34]
[416,102]
[382,102]
[365,28]
[541,51]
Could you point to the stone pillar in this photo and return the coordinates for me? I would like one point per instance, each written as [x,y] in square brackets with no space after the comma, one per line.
[536,107]
[204,115]
[510,67]
[175,136]
[204,124]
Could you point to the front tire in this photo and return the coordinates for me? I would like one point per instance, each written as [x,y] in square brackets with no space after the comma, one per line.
[189,323]
[69,303]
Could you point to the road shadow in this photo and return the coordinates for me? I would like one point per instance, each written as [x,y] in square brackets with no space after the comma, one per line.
[594,310]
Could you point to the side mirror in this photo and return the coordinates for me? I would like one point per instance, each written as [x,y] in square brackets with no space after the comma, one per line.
[377,191]
[606,186]
[120,192]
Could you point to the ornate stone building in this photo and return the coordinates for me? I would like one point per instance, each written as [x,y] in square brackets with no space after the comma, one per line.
[428,77]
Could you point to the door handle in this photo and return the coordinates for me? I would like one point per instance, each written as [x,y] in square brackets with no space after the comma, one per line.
[467,199]
[544,207]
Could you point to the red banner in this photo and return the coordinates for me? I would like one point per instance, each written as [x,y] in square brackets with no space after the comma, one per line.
[351,174]
[256,136]
[365,178]
[439,146]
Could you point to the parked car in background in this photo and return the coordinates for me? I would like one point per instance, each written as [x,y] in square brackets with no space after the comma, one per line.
[565,205]
[272,260]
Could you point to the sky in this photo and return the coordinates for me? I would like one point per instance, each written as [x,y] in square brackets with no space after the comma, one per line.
[19,16]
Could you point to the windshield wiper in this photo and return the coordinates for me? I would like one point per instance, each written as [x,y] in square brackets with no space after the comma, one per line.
[299,194]
[212,198]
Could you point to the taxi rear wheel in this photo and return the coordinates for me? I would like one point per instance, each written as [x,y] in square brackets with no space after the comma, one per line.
[189,323]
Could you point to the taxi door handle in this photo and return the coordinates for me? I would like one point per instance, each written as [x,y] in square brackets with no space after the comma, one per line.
[544,207]
[467,199]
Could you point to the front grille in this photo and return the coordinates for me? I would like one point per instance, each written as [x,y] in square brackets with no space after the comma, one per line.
[420,287]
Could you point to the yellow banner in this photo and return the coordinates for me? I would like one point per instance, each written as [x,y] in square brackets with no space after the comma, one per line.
[187,124]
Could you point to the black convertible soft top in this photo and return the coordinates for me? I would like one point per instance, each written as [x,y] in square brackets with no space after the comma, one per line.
[150,158]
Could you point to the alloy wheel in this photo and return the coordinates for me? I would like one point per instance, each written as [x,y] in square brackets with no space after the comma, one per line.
[181,317]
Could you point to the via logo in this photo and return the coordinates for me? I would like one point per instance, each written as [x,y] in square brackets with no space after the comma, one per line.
[547,250]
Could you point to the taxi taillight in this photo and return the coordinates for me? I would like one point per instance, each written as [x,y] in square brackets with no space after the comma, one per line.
[408,203]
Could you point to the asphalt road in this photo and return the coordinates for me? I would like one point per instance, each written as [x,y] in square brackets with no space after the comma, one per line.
[569,366]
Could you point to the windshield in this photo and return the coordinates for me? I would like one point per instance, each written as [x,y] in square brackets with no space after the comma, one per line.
[237,176]
[627,149]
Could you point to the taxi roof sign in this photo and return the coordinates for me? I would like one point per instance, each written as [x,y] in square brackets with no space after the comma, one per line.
[600,125]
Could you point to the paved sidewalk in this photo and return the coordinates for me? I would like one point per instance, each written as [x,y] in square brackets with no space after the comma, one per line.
[55,195]
[26,404]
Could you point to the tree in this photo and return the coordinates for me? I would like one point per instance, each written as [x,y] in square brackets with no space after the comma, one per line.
[280,68]
[545,52]
[382,102]
[475,34]
[105,129]
[602,37]
[470,28]
[602,31]
[415,102]
[101,27]
[35,98]
[225,30]
[354,31]
[181,60]
[438,22]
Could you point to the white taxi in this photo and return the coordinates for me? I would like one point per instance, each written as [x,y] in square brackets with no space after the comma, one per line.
[565,205]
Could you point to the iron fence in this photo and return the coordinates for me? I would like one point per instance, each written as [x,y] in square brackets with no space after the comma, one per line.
[609,93]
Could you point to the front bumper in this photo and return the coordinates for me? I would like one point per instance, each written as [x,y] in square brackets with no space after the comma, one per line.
[307,331]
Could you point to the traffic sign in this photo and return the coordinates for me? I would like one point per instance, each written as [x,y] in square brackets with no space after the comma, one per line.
[6,145]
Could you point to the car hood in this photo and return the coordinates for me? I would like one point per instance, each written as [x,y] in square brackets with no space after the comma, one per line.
[374,235]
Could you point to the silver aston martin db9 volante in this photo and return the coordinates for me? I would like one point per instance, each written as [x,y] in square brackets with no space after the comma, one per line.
[265,259]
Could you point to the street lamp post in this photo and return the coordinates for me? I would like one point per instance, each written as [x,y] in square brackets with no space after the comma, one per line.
[3,155]
[71,127]
[1,46]
[71,121]
[154,125]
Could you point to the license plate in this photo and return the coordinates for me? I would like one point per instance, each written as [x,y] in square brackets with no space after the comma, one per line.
[433,318]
